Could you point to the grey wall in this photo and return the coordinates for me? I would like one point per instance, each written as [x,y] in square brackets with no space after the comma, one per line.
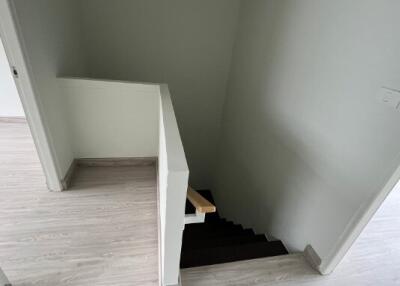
[185,43]
[51,34]
[304,142]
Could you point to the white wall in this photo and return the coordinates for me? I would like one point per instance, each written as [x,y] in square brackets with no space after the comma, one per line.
[10,104]
[305,143]
[111,118]
[173,174]
[50,32]
[184,43]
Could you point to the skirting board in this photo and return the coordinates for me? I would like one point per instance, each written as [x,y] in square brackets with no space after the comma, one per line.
[66,182]
[312,258]
[160,282]
[104,162]
[117,162]
[14,119]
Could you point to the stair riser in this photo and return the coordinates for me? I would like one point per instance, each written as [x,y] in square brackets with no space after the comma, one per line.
[240,240]
[215,233]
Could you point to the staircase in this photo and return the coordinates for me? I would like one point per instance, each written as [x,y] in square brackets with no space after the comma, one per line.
[220,241]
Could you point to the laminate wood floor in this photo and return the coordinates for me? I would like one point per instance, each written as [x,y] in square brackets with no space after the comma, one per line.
[101,232]
[374,260]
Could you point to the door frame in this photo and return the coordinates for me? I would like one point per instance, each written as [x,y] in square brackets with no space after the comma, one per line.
[15,50]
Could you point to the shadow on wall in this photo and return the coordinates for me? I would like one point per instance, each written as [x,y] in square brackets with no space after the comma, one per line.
[284,201]
[184,43]
[304,143]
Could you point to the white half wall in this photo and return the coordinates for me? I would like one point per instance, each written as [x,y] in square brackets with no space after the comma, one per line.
[306,145]
[10,104]
[173,175]
[111,118]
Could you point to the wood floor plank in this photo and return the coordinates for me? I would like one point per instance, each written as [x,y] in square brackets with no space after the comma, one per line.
[101,232]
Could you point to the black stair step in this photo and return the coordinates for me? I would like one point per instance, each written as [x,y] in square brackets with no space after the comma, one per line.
[224,254]
[212,217]
[218,239]
[224,241]
[189,208]
[194,239]
[213,232]
[219,221]
[199,227]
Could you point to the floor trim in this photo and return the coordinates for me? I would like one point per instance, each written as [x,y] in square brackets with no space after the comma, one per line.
[67,180]
[13,119]
[116,162]
[312,258]
[105,162]
[159,225]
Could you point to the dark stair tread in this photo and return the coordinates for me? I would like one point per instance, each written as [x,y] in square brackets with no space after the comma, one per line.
[215,232]
[200,227]
[223,241]
[214,222]
[220,241]
[193,238]
[189,208]
[224,254]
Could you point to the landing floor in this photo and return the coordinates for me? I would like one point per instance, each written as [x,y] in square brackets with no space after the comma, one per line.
[102,232]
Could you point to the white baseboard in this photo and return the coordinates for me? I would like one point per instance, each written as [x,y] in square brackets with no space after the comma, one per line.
[116,162]
[104,162]
[312,258]
[67,180]
[13,119]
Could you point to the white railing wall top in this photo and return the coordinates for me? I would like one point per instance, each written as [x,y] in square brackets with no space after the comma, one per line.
[173,174]
[176,154]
